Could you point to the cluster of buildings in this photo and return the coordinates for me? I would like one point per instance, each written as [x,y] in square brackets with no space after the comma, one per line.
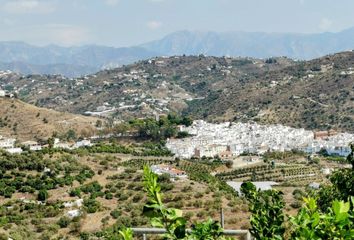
[9,145]
[7,94]
[74,207]
[70,146]
[228,139]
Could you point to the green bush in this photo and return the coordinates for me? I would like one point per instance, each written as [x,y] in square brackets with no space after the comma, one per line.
[42,195]
[266,207]
[116,213]
[63,222]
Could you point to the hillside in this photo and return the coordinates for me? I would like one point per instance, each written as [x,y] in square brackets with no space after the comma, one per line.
[27,122]
[316,94]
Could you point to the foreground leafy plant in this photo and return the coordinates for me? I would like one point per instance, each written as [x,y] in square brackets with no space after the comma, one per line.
[267,219]
[208,230]
[126,234]
[342,187]
[169,218]
[337,223]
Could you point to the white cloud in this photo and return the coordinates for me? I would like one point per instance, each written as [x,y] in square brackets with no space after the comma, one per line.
[154,24]
[325,24]
[111,2]
[28,6]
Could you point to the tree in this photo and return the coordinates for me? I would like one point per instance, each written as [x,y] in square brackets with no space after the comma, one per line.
[99,123]
[229,163]
[42,195]
[266,207]
[342,187]
[335,223]
[187,121]
[51,142]
[64,222]
[182,134]
[120,129]
[71,135]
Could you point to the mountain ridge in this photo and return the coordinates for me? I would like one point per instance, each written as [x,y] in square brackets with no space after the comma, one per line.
[254,44]
[92,58]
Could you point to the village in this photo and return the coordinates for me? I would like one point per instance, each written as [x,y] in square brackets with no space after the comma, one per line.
[11,145]
[228,140]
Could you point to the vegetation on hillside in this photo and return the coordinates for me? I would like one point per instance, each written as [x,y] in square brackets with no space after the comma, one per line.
[314,94]
[267,219]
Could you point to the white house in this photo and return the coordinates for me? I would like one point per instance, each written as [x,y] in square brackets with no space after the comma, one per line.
[7,142]
[76,203]
[83,143]
[33,145]
[14,150]
[2,93]
[209,150]
[73,213]
[339,150]
[173,172]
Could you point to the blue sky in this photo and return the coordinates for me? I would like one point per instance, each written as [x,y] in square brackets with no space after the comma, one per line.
[129,22]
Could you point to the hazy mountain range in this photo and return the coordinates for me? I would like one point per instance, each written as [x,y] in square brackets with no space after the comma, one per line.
[69,61]
[74,61]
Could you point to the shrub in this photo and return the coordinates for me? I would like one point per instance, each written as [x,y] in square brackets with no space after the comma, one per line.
[266,207]
[116,213]
[64,222]
[42,195]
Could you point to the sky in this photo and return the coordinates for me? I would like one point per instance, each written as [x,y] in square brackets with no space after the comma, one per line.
[122,23]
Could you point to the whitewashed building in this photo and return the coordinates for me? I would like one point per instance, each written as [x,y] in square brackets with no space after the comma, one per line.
[7,142]
[212,139]
[166,169]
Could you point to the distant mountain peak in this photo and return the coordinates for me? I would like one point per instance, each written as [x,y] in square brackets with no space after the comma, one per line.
[82,60]
[253,44]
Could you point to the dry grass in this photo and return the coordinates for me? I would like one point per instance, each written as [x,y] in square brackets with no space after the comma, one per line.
[28,122]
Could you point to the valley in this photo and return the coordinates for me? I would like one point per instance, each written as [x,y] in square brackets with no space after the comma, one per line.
[72,150]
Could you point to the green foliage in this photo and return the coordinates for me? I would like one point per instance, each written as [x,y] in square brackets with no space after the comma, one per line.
[14,175]
[109,148]
[266,207]
[64,222]
[42,195]
[161,216]
[126,234]
[169,218]
[336,223]
[342,187]
[182,134]
[70,135]
[208,230]
[91,205]
[149,128]
[116,213]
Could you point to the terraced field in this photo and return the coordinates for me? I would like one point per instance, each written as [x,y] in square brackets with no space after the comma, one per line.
[298,174]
